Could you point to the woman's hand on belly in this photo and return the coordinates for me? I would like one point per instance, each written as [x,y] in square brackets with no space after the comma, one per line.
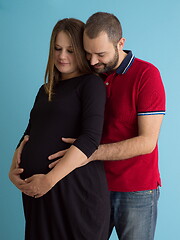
[20,148]
[37,185]
[15,171]
[14,176]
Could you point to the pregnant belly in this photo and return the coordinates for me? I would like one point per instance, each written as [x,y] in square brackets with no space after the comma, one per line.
[34,160]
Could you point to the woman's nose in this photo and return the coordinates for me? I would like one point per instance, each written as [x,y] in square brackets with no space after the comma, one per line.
[62,54]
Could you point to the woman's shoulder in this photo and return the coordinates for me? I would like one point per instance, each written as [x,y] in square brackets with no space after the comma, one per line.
[92,79]
[41,91]
[92,76]
[91,84]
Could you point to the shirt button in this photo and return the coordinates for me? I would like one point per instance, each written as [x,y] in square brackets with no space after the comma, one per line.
[107,84]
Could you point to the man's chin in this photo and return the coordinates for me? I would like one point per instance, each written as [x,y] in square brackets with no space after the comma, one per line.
[98,70]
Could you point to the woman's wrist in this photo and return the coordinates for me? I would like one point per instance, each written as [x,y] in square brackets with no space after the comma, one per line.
[51,179]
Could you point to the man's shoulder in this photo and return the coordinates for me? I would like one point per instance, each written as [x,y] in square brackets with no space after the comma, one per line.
[142,64]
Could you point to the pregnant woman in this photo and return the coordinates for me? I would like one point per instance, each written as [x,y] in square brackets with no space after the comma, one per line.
[65,203]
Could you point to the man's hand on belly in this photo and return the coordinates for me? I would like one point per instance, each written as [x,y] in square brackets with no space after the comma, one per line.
[60,153]
[63,152]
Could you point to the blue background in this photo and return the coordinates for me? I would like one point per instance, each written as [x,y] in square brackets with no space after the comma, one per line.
[152,32]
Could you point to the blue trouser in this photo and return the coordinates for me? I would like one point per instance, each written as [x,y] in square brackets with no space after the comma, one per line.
[134,214]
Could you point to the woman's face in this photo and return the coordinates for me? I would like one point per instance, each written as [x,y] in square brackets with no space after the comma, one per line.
[64,57]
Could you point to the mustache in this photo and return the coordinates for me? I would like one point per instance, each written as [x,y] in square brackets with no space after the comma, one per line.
[98,64]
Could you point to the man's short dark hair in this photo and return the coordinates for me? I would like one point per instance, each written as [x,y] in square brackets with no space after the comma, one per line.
[104,22]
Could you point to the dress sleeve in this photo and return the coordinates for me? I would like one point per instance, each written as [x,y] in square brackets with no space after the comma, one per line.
[93,97]
[27,131]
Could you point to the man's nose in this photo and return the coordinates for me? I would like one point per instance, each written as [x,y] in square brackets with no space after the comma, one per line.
[94,60]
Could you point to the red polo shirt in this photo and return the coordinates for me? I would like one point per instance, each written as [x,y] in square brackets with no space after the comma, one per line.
[134,89]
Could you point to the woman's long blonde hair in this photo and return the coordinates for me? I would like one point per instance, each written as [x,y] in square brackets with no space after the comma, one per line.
[74,28]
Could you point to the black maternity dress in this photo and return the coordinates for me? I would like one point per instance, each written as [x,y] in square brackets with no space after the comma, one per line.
[77,207]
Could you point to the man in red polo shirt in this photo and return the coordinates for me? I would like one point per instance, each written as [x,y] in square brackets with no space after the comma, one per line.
[134,111]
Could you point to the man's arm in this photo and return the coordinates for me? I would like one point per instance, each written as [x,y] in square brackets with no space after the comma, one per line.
[144,143]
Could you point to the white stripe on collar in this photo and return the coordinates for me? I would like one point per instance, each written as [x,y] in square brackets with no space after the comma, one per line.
[128,64]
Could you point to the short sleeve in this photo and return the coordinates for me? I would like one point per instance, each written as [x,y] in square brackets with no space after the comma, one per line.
[92,97]
[151,94]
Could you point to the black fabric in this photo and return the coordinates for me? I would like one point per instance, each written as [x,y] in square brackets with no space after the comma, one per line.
[78,206]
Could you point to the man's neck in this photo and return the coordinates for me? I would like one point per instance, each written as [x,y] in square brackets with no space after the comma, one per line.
[122,56]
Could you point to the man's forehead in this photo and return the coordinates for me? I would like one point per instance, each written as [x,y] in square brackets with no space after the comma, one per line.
[99,44]
[99,36]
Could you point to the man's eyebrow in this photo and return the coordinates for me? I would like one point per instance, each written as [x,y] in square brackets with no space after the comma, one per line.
[96,52]
[100,53]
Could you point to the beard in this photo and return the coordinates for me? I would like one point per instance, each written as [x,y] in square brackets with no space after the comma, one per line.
[107,67]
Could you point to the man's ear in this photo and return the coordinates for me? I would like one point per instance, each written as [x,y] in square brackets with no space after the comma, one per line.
[120,44]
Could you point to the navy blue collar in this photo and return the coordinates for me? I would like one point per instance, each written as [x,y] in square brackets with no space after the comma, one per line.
[126,63]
